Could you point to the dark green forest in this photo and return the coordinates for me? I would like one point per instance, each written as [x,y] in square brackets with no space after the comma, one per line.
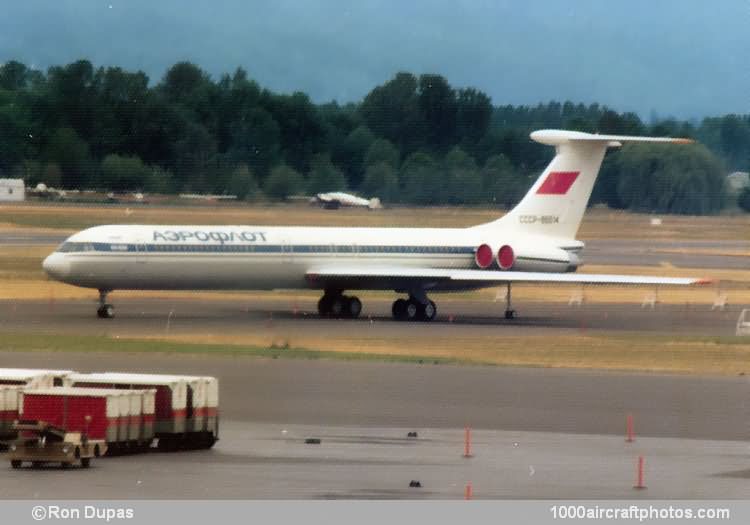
[413,139]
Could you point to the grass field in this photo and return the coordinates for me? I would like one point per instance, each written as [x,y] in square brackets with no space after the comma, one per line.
[674,354]
[24,342]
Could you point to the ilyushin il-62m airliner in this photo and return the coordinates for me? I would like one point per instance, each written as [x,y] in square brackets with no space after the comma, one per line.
[533,243]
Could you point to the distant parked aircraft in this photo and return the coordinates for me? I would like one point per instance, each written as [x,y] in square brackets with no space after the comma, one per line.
[336,199]
[534,243]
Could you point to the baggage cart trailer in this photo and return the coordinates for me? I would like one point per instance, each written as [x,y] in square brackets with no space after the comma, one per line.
[170,400]
[101,414]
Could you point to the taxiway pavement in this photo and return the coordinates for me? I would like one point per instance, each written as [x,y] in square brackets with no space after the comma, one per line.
[536,434]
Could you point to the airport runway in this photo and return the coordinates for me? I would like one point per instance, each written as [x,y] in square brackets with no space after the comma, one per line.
[536,433]
[288,316]
[631,252]
[29,237]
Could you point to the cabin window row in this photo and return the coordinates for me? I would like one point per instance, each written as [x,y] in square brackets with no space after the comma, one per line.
[70,247]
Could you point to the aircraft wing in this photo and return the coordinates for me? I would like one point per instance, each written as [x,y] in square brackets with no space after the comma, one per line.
[395,277]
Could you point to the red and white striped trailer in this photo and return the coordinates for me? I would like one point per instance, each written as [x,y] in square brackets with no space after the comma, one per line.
[172,427]
[98,413]
[201,409]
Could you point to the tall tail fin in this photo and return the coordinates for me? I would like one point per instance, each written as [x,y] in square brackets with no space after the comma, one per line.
[555,204]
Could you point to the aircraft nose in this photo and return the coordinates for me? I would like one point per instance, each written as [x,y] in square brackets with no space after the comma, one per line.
[56,266]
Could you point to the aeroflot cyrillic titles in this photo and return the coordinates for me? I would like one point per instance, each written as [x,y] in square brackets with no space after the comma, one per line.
[209,235]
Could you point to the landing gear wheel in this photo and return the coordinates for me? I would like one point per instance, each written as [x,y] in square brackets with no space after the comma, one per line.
[398,309]
[412,310]
[338,306]
[106,311]
[324,306]
[510,314]
[354,307]
[428,311]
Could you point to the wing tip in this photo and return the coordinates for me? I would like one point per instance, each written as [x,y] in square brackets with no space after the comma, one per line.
[704,281]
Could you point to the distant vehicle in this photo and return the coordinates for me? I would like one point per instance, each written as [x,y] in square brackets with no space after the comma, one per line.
[534,243]
[40,442]
[336,199]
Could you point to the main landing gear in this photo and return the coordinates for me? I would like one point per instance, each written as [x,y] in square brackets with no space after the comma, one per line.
[412,309]
[105,311]
[336,305]
[509,312]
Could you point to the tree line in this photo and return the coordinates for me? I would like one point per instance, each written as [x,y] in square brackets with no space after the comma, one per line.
[413,139]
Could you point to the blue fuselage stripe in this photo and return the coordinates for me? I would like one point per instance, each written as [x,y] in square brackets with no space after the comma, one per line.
[259,248]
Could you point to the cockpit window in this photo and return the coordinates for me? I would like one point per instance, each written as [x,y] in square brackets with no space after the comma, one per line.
[68,247]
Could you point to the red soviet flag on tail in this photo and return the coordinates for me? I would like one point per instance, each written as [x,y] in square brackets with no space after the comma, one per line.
[558,183]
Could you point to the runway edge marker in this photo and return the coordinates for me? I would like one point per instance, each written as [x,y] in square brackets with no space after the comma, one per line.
[639,480]
[467,442]
[629,429]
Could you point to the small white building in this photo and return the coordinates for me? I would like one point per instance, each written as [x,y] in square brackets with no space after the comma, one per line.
[738,181]
[12,190]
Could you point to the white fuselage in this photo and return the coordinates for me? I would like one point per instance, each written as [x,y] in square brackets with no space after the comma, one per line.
[265,258]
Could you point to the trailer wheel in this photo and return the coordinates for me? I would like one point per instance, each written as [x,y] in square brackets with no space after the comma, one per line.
[85,462]
[15,463]
[78,452]
[65,465]
[97,451]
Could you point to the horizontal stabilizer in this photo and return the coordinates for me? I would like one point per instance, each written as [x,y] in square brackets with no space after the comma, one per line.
[555,137]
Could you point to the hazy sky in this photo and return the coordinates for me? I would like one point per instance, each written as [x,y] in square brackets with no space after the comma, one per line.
[686,58]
